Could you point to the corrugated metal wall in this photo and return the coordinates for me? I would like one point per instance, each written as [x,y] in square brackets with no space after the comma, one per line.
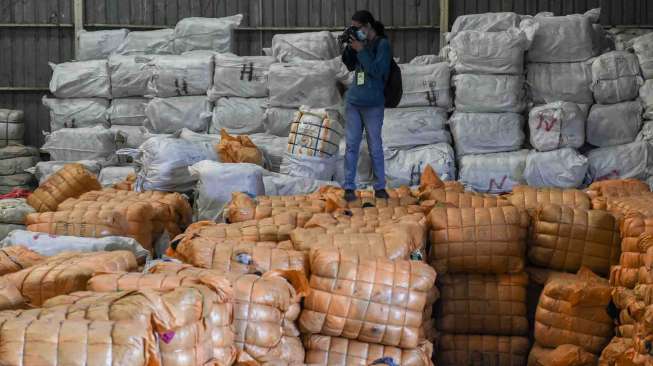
[35,32]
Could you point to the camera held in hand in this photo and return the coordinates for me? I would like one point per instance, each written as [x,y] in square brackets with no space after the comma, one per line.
[348,33]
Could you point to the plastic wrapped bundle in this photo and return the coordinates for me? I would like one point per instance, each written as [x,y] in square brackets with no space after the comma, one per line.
[310,84]
[557,125]
[213,34]
[482,133]
[483,304]
[278,120]
[168,115]
[478,240]
[88,143]
[130,75]
[530,198]
[565,239]
[409,127]
[562,38]
[646,96]
[564,168]
[462,349]
[66,273]
[180,75]
[12,127]
[241,116]
[274,229]
[614,124]
[644,52]
[17,257]
[272,147]
[620,162]
[334,307]
[71,181]
[426,60]
[615,77]
[573,309]
[14,161]
[489,93]
[405,167]
[127,111]
[242,208]
[14,210]
[99,45]
[44,169]
[564,355]
[10,297]
[493,173]
[279,184]
[489,52]
[241,76]
[552,82]
[304,46]
[486,22]
[325,350]
[619,188]
[462,199]
[425,85]
[77,112]
[154,42]
[80,79]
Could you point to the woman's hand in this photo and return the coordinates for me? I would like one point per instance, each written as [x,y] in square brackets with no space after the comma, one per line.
[356,44]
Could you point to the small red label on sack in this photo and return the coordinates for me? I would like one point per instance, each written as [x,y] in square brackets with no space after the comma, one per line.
[547,125]
[498,186]
[167,337]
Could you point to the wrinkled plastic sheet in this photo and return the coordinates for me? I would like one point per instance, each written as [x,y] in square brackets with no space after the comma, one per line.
[80,79]
[620,162]
[154,42]
[485,22]
[127,111]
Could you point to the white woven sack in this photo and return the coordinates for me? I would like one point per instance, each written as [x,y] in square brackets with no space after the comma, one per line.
[489,52]
[564,168]
[615,77]
[213,34]
[294,85]
[304,46]
[91,143]
[99,45]
[241,76]
[76,112]
[614,124]
[80,79]
[620,162]
[557,125]
[414,126]
[167,115]
[154,42]
[287,185]
[489,93]
[130,75]
[425,85]
[44,169]
[180,75]
[553,82]
[278,120]
[562,38]
[485,22]
[127,111]
[314,167]
[134,136]
[646,95]
[483,133]
[493,173]
[12,127]
[115,174]
[238,116]
[643,47]
[405,167]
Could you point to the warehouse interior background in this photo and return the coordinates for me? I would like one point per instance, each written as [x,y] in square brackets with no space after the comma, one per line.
[35,32]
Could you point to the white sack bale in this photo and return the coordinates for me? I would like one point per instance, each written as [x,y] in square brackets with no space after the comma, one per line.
[643,47]
[76,112]
[153,42]
[568,82]
[614,124]
[294,85]
[646,133]
[99,45]
[561,39]
[485,22]
[14,160]
[134,136]
[425,85]
[286,185]
[623,37]
[646,95]
[483,133]
[80,79]
[493,173]
[49,245]
[557,125]
[127,111]
[44,169]
[364,173]
[6,229]
[213,34]
[426,60]
[217,181]
[304,46]
[489,52]
[273,148]
[278,120]
[167,115]
[241,76]
[115,174]
[564,168]
[615,77]
[12,127]
[14,210]
[313,167]
[409,127]
[489,93]
[239,116]
[130,75]
[180,75]
[89,143]
[620,162]
[405,167]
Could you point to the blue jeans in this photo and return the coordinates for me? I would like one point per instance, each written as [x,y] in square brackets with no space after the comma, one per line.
[371,119]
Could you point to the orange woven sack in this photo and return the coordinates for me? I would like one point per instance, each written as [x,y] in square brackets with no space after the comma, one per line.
[566,239]
[338,304]
[483,304]
[10,297]
[618,188]
[17,257]
[66,273]
[462,349]
[334,198]
[630,277]
[573,309]
[243,207]
[530,198]
[326,350]
[70,181]
[478,240]
[564,355]
[461,199]
[275,229]
[614,350]
[238,149]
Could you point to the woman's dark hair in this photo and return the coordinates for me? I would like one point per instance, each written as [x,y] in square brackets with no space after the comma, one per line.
[365,17]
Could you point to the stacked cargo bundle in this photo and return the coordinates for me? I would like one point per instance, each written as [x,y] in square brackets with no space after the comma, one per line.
[641,47]
[487,53]
[479,254]
[12,215]
[15,159]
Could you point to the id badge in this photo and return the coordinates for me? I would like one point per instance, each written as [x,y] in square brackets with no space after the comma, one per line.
[360,78]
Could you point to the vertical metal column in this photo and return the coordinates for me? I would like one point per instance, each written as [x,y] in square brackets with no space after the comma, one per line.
[444,21]
[78,22]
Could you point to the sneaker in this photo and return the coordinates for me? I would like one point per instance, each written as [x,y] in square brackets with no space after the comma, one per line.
[350,195]
[381,193]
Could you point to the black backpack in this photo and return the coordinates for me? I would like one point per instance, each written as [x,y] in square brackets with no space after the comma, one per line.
[393,87]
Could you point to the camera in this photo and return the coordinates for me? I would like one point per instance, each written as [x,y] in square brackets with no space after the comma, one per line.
[348,33]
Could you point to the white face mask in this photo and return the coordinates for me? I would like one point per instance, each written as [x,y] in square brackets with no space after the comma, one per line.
[361,35]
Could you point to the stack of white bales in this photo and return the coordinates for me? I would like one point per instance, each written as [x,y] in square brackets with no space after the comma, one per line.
[643,47]
[559,74]
[14,157]
[614,123]
[487,54]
